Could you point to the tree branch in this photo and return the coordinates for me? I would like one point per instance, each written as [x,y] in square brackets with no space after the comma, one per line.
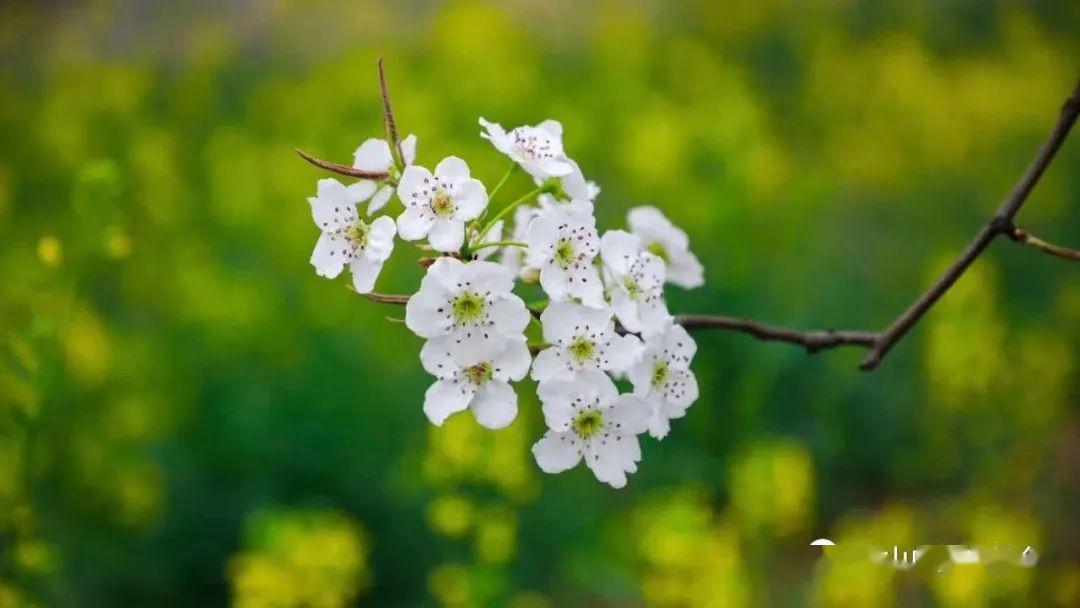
[341,169]
[388,117]
[999,223]
[1026,238]
[879,343]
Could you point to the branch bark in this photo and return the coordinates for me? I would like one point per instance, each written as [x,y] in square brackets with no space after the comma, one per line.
[341,169]
[881,342]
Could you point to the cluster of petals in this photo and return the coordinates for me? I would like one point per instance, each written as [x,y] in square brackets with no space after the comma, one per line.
[605,316]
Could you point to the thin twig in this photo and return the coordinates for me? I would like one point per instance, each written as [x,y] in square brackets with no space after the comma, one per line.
[341,169]
[388,117]
[998,224]
[1026,238]
[813,341]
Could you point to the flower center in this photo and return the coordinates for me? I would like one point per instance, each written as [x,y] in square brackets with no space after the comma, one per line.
[588,423]
[631,286]
[479,373]
[357,233]
[564,253]
[467,307]
[660,373]
[442,204]
[582,349]
[657,248]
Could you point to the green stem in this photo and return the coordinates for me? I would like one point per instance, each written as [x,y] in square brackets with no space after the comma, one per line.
[499,244]
[512,170]
[507,209]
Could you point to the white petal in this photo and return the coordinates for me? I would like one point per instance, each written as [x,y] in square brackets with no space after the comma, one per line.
[679,346]
[446,397]
[380,199]
[562,321]
[659,423]
[437,359]
[599,385]
[550,365]
[652,225]
[649,272]
[626,310]
[681,391]
[557,452]
[380,239]
[422,311]
[495,405]
[470,199]
[555,281]
[452,168]
[408,149]
[364,272]
[552,127]
[327,258]
[541,234]
[549,167]
[654,317]
[583,282]
[416,186]
[415,223]
[510,315]
[331,209]
[630,415]
[497,135]
[556,398]
[373,155]
[447,235]
[622,353]
[686,271]
[640,374]
[612,458]
[620,250]
[360,191]
[513,363]
[473,344]
[486,278]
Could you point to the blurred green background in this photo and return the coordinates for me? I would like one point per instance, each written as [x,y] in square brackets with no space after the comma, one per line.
[189,416]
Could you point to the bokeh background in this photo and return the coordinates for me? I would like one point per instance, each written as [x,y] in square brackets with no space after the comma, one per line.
[190,417]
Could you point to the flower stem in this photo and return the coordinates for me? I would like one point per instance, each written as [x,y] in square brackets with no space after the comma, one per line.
[507,209]
[499,244]
[512,170]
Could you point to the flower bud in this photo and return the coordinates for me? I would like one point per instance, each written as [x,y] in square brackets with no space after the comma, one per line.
[529,275]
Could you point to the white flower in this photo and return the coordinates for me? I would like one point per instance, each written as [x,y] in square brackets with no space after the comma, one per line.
[563,245]
[582,338]
[635,283]
[538,149]
[588,418]
[479,383]
[668,242]
[514,257]
[374,155]
[576,193]
[437,206]
[663,378]
[347,239]
[469,302]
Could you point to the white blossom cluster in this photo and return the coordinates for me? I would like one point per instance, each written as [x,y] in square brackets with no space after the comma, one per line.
[602,314]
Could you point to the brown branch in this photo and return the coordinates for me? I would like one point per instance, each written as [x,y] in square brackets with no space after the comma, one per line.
[341,169]
[1026,238]
[813,341]
[999,223]
[388,117]
[879,343]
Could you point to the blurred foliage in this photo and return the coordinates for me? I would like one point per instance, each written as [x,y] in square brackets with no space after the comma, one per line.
[189,416]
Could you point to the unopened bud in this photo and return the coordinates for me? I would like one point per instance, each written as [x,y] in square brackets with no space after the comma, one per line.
[529,275]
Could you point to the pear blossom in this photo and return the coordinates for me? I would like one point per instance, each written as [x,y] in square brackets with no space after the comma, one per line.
[563,245]
[347,239]
[663,378]
[635,283]
[478,382]
[514,257]
[582,338]
[469,302]
[438,205]
[374,155]
[573,192]
[668,242]
[538,149]
[587,417]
